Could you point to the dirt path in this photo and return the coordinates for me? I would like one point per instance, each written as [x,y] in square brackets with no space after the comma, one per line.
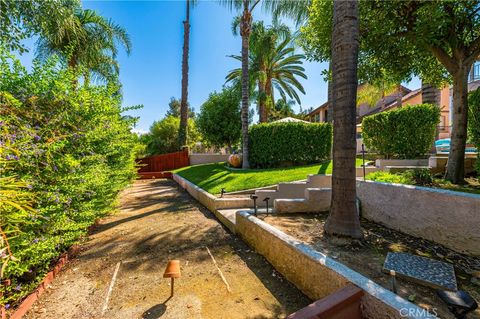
[127,253]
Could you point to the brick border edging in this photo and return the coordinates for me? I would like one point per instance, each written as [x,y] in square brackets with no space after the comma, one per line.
[28,302]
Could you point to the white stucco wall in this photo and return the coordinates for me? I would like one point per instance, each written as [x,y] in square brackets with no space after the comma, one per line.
[446,217]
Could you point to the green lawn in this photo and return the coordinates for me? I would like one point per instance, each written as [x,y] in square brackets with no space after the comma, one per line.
[214,177]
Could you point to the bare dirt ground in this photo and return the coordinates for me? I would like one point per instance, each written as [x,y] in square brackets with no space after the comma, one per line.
[368,256]
[157,222]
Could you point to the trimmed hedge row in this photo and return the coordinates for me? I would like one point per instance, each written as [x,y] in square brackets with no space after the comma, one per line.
[406,132]
[474,122]
[275,144]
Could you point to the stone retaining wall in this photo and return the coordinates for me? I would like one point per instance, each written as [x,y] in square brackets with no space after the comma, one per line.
[446,217]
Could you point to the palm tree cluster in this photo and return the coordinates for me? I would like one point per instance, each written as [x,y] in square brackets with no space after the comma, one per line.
[84,38]
[273,66]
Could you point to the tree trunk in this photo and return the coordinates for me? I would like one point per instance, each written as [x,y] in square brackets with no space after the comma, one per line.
[262,102]
[72,65]
[182,133]
[343,219]
[245,29]
[456,157]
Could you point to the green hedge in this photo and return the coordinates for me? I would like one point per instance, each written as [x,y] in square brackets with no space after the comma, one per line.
[474,122]
[274,144]
[406,132]
[64,156]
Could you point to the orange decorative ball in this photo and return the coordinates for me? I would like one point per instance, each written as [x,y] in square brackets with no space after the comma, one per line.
[235,160]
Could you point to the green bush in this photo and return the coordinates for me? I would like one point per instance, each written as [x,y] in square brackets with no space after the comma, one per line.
[66,153]
[407,132]
[474,122]
[274,144]
[386,177]
[421,177]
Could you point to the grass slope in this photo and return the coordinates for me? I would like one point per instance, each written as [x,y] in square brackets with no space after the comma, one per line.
[214,177]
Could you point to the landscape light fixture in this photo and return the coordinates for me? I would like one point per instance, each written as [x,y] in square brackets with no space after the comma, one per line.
[266,202]
[223,191]
[254,198]
[459,302]
[172,271]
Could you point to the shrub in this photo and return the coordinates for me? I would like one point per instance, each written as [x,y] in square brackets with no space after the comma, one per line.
[407,132]
[474,122]
[273,144]
[420,176]
[387,177]
[65,153]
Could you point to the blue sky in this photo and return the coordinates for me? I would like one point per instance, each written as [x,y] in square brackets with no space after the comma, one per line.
[152,72]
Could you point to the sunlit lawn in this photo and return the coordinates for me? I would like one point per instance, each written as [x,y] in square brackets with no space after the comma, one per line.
[214,177]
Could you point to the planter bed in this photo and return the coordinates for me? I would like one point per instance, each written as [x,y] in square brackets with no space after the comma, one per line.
[367,258]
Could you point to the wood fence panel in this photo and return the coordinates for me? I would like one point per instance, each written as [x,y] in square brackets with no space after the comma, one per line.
[163,162]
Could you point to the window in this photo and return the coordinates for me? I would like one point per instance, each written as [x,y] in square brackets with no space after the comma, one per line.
[475,73]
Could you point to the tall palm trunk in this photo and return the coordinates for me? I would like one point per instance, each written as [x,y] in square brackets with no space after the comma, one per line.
[269,94]
[343,219]
[72,65]
[182,133]
[262,102]
[456,157]
[329,95]
[245,30]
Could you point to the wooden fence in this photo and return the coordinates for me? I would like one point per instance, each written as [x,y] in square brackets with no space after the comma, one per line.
[163,162]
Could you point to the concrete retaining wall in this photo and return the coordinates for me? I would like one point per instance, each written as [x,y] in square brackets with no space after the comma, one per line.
[448,218]
[210,201]
[196,159]
[316,274]
[382,163]
[438,164]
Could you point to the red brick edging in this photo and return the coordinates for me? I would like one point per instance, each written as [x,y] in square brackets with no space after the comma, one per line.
[30,300]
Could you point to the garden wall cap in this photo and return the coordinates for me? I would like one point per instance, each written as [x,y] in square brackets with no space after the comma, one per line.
[172,270]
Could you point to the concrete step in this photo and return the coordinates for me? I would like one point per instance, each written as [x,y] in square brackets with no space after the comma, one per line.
[315,200]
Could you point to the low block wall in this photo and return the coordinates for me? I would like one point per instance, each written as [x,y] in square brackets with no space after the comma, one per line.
[382,163]
[196,159]
[210,201]
[439,163]
[316,274]
[448,218]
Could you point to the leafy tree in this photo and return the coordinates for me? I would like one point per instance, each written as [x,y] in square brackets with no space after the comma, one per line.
[163,135]
[343,219]
[21,19]
[88,39]
[219,118]
[174,107]
[435,40]
[247,7]
[273,65]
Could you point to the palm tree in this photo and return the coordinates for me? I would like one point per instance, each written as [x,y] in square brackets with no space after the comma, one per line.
[85,39]
[247,7]
[343,219]
[273,65]
[182,133]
